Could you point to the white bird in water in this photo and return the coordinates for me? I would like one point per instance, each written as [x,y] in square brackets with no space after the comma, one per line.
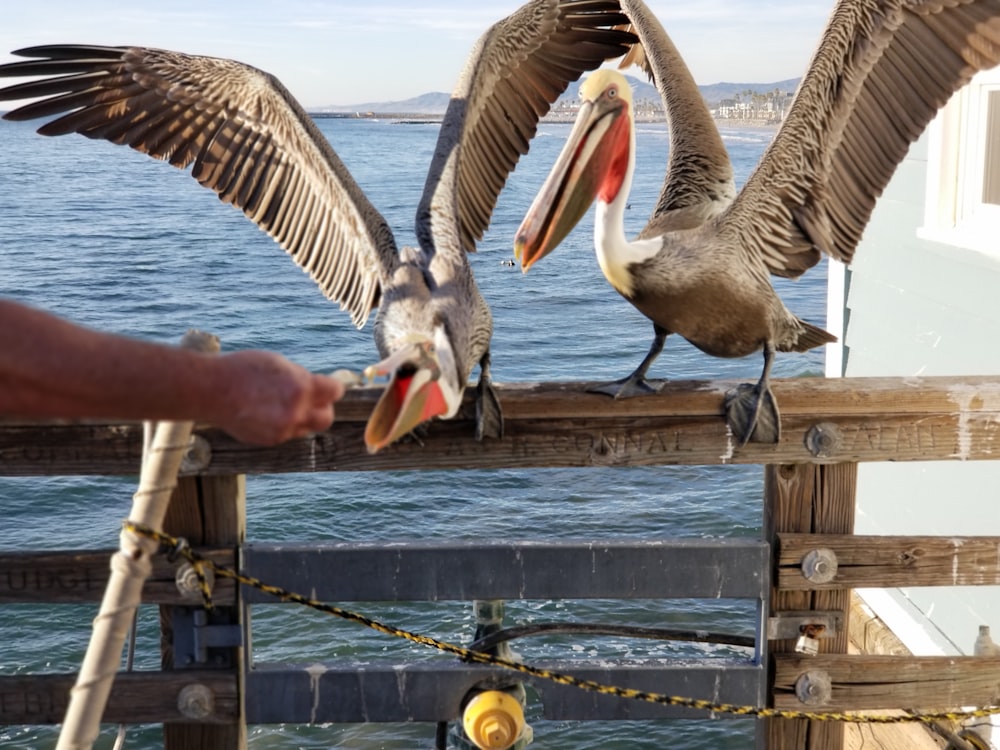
[701,267]
[254,145]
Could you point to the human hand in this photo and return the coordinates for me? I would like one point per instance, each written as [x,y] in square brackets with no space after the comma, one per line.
[265,399]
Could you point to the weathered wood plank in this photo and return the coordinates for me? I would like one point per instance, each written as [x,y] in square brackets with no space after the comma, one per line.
[889,561]
[560,425]
[872,682]
[799,397]
[208,510]
[835,505]
[136,697]
[870,635]
[787,505]
[73,576]
[807,498]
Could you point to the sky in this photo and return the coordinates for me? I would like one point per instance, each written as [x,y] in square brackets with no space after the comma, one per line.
[342,53]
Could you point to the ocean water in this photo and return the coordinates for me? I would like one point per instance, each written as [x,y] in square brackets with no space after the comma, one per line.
[117,241]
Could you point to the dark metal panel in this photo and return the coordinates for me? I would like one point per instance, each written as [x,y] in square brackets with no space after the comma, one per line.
[433,691]
[432,571]
[716,680]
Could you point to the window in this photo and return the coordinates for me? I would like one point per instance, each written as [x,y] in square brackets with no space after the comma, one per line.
[963,168]
[991,164]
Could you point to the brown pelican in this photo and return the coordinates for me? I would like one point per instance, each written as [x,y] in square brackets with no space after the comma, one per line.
[255,146]
[701,267]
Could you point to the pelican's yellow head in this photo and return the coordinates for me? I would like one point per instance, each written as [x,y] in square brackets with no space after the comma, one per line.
[606,82]
[592,166]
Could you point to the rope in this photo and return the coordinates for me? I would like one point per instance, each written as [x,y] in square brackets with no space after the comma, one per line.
[129,664]
[180,547]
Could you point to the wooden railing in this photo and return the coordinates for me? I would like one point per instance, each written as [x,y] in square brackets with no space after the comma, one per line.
[828,427]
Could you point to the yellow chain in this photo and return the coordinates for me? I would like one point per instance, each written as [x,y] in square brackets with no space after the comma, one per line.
[175,546]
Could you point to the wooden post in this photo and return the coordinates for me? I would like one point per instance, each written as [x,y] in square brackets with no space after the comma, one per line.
[818,499]
[208,511]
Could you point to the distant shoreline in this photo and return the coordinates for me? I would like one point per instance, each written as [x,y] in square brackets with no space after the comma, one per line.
[417,118]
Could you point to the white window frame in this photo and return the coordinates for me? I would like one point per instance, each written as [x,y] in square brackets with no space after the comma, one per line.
[955,213]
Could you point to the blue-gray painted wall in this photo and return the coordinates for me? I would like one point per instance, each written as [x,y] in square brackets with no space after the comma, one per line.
[916,307]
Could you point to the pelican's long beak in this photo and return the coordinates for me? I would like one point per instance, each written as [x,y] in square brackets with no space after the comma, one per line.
[415,393]
[592,163]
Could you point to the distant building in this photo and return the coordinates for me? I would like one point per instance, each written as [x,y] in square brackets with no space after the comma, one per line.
[754,107]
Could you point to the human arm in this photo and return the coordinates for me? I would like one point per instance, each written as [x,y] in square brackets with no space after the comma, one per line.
[50,367]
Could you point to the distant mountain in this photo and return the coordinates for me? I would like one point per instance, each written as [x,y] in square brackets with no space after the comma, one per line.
[436,102]
[433,103]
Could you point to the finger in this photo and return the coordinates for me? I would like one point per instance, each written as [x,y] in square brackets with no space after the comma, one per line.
[326,389]
[319,419]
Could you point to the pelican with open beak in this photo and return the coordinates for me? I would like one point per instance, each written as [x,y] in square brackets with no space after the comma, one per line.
[418,390]
[248,139]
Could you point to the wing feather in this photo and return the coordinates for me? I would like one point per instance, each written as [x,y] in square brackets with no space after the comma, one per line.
[881,72]
[699,178]
[243,134]
[513,75]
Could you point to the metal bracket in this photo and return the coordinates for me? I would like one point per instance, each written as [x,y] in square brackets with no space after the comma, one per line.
[199,643]
[788,625]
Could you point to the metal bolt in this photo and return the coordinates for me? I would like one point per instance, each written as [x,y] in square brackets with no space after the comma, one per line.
[196,701]
[823,440]
[187,582]
[198,456]
[814,688]
[820,565]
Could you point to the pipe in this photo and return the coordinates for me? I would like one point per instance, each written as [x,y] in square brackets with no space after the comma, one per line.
[130,567]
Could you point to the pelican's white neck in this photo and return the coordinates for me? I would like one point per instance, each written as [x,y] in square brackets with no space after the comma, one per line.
[614,252]
[450,378]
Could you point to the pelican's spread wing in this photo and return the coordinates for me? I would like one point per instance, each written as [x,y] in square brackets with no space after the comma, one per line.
[246,136]
[512,76]
[880,73]
[699,178]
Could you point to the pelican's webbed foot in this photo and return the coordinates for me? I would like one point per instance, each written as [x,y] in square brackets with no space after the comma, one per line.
[752,414]
[489,415]
[752,411]
[628,387]
[636,383]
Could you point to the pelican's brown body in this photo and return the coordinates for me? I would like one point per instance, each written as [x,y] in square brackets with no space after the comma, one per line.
[701,267]
[726,309]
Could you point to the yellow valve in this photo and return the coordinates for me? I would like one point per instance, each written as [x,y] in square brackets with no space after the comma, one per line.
[493,720]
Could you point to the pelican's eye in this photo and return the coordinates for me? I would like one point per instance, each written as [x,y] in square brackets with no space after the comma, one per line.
[612,92]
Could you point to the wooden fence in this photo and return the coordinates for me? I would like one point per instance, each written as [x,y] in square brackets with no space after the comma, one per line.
[801,570]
